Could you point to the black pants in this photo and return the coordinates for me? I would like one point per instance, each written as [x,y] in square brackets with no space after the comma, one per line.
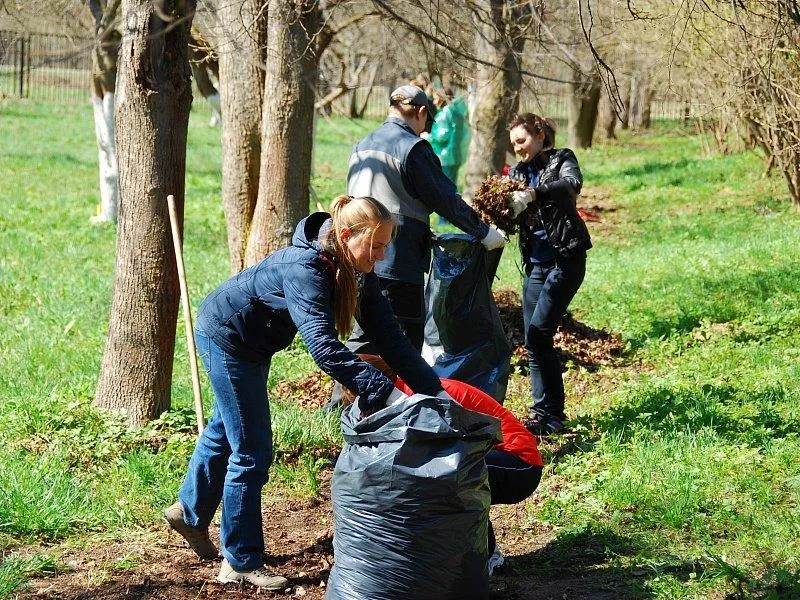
[547,291]
[408,304]
[511,480]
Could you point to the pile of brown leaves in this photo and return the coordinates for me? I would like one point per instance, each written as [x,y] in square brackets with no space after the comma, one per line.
[576,342]
[491,201]
[310,392]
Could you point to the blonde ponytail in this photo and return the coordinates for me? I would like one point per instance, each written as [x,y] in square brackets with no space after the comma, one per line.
[360,215]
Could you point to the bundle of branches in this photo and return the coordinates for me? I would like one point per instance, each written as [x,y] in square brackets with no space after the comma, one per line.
[491,201]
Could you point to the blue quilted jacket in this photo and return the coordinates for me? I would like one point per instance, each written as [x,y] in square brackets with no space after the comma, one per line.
[258,312]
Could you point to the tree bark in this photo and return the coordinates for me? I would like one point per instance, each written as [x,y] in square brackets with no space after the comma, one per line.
[105,55]
[641,97]
[288,118]
[241,38]
[498,42]
[154,95]
[607,118]
[583,104]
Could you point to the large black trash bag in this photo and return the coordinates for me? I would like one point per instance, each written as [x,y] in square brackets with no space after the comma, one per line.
[463,327]
[411,497]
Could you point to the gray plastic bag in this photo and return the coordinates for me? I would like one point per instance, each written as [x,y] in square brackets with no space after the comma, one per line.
[411,503]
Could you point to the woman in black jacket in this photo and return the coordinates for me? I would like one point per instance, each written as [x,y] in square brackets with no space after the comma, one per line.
[553,242]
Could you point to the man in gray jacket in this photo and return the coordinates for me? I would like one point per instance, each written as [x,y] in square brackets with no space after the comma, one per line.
[394,165]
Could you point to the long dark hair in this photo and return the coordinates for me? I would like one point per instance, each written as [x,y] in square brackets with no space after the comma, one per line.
[362,215]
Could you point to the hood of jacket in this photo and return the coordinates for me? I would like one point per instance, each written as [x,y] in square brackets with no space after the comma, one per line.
[309,230]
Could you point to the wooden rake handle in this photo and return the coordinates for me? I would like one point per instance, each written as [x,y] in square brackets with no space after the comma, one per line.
[187,314]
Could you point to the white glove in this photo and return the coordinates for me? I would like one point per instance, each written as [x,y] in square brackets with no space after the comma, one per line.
[494,239]
[395,396]
[445,396]
[519,200]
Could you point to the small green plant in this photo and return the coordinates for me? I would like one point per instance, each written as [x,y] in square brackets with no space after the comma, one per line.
[15,570]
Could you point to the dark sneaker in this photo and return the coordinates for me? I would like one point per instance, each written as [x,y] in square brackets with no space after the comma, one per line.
[542,425]
[197,537]
[258,577]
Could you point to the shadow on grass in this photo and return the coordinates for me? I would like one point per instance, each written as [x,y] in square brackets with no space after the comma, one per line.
[720,299]
[742,415]
[579,564]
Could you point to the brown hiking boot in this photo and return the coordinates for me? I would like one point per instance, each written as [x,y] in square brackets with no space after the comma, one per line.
[196,536]
[258,577]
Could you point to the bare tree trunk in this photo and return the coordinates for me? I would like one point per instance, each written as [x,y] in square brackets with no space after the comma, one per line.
[204,64]
[646,101]
[583,104]
[240,38]
[154,97]
[641,96]
[607,118]
[288,117]
[625,97]
[498,42]
[104,75]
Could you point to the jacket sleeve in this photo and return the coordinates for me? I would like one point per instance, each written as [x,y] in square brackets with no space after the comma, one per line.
[379,323]
[309,299]
[426,180]
[566,187]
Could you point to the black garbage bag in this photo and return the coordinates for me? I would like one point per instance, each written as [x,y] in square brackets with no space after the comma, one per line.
[463,327]
[410,496]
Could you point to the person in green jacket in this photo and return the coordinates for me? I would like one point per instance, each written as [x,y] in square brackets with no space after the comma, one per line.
[450,135]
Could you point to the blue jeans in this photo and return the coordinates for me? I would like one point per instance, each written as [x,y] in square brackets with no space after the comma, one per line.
[232,457]
[547,291]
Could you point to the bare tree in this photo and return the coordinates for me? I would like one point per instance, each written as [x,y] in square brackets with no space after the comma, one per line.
[154,97]
[741,61]
[239,31]
[105,53]
[500,40]
[287,121]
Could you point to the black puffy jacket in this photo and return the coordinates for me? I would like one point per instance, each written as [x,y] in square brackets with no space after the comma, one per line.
[560,182]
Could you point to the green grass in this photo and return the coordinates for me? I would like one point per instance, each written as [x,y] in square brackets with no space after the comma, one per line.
[683,480]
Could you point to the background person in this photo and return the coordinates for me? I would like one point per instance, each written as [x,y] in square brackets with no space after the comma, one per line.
[553,241]
[399,168]
[315,286]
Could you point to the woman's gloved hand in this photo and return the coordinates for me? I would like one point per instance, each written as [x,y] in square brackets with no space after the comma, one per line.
[494,239]
[518,201]
[395,396]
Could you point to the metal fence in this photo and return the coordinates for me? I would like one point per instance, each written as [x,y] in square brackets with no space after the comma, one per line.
[57,68]
[48,67]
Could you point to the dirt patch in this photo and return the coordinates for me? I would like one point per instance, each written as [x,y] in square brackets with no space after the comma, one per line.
[298,533]
[576,342]
[598,209]
[159,565]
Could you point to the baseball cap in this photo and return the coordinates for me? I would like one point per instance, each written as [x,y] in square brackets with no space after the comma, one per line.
[409,95]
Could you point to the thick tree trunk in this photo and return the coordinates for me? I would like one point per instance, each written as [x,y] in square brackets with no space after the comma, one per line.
[497,91]
[288,118]
[241,38]
[154,95]
[583,103]
[607,118]
[641,96]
